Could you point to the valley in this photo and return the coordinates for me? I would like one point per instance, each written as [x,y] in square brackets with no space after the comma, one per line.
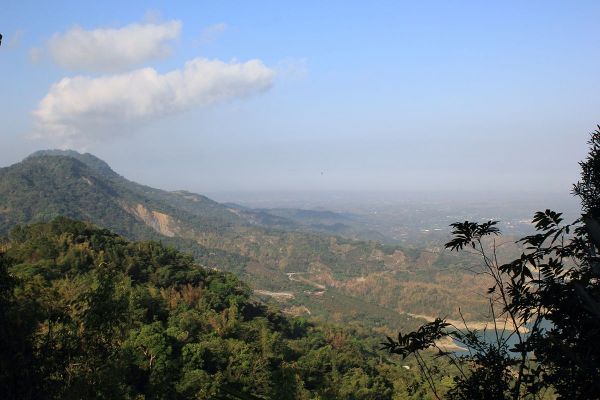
[287,262]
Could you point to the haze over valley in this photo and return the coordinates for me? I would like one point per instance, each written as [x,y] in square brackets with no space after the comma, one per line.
[409,217]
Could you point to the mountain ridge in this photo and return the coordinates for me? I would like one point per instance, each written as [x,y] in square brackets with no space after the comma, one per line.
[95,171]
[357,275]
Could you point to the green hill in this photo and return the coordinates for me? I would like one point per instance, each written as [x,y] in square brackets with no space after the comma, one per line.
[315,275]
[85,313]
[49,183]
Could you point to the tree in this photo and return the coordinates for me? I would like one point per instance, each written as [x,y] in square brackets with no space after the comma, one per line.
[548,297]
[19,378]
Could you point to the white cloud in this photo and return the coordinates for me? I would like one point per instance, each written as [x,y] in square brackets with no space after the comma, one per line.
[81,110]
[110,50]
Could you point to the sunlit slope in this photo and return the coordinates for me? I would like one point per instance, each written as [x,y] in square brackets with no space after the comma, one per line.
[307,273]
[122,319]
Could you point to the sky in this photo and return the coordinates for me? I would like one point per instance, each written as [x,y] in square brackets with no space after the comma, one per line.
[307,96]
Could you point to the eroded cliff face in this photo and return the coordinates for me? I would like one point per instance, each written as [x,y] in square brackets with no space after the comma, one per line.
[160,222]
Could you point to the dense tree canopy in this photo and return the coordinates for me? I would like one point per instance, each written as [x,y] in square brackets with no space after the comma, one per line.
[85,313]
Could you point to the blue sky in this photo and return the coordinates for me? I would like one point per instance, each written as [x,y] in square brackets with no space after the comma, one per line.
[385,96]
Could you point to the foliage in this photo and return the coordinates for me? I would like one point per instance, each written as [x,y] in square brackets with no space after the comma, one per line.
[85,313]
[549,308]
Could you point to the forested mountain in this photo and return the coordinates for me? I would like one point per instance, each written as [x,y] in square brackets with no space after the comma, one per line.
[85,313]
[61,170]
[56,182]
[316,275]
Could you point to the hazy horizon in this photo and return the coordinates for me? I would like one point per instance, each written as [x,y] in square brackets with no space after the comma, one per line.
[274,97]
[253,197]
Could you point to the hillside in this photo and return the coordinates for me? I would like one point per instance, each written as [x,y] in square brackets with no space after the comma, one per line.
[88,314]
[316,275]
